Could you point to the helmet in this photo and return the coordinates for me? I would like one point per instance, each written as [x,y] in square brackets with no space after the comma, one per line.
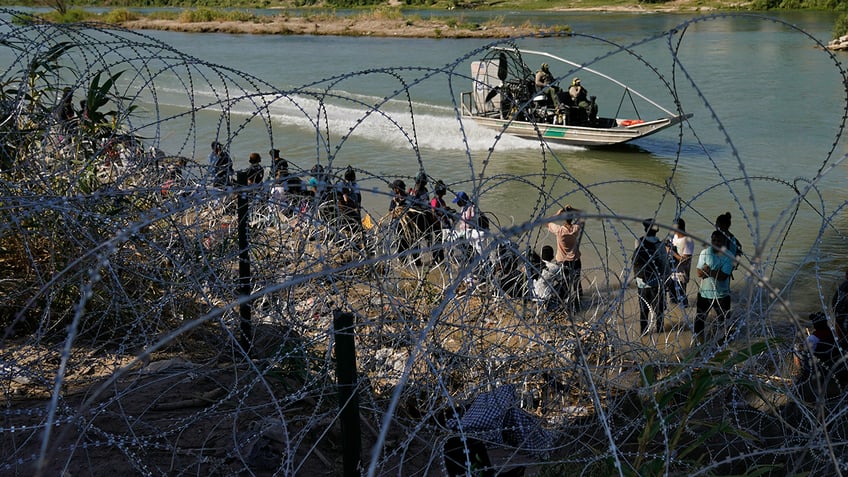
[575,81]
[544,67]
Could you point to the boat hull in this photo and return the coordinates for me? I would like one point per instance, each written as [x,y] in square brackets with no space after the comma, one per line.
[580,135]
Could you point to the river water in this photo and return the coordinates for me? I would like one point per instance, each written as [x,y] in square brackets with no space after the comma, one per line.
[765,141]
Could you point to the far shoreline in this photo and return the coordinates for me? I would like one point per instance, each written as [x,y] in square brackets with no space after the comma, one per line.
[396,26]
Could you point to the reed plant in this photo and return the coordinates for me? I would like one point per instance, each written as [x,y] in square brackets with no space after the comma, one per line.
[120,15]
[204,14]
[382,13]
[72,15]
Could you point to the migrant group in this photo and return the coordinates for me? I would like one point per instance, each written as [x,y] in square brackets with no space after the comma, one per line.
[662,267]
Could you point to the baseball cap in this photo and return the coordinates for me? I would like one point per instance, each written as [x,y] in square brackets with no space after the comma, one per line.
[461,196]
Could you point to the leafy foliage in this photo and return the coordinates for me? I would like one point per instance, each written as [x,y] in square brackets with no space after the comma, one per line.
[676,399]
[840,27]
[799,5]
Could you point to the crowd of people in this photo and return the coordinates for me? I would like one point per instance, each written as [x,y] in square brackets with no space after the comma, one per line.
[662,268]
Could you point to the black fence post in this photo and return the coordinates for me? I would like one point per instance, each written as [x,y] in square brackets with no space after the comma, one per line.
[348,400]
[244,280]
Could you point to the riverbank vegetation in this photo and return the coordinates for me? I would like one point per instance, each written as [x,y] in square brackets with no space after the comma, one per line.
[837,5]
[840,27]
[382,21]
[378,18]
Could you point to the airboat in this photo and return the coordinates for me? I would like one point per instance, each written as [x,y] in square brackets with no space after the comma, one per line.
[505,98]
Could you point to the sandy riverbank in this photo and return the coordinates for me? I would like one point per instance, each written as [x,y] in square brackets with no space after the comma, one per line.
[402,27]
[341,26]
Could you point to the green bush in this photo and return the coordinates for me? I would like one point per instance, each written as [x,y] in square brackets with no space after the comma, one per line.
[120,15]
[765,4]
[840,27]
[205,14]
[197,15]
[163,15]
[74,15]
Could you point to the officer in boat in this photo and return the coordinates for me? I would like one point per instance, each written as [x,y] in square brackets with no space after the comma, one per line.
[544,79]
[579,97]
[577,92]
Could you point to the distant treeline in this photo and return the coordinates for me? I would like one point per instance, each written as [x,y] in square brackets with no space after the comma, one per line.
[838,5]
[213,3]
[841,5]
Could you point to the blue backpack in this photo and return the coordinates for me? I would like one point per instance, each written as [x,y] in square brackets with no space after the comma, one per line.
[646,261]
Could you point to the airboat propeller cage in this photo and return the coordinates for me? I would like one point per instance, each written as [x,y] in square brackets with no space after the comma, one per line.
[486,81]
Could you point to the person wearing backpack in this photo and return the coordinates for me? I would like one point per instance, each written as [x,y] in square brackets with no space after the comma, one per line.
[820,359]
[650,264]
[441,217]
[734,247]
[471,224]
[714,269]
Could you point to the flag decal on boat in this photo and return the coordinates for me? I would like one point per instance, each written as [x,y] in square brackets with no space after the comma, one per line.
[554,133]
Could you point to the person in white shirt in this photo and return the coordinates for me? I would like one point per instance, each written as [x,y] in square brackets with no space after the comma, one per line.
[680,251]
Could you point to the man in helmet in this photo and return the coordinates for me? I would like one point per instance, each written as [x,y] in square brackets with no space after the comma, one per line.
[577,92]
[544,79]
[578,96]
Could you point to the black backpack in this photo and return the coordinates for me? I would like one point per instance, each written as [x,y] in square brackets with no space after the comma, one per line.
[482,221]
[646,261]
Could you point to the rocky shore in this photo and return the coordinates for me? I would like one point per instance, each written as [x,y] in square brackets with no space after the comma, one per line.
[342,26]
[838,44]
[392,25]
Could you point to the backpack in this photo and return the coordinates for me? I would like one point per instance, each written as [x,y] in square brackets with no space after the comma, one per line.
[646,261]
[482,222]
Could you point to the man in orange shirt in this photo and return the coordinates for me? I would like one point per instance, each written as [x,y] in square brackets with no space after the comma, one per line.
[568,235]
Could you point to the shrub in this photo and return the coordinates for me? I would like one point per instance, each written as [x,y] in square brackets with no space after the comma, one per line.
[74,15]
[120,15]
[163,15]
[385,13]
[840,26]
[198,15]
[765,4]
